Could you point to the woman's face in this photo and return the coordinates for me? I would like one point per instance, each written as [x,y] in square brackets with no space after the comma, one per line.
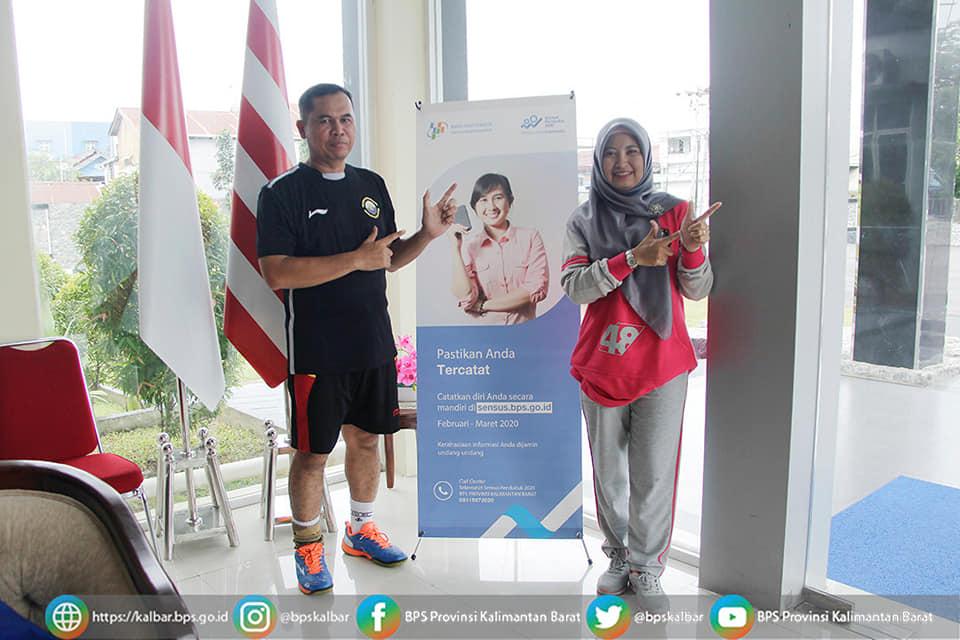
[622,161]
[493,207]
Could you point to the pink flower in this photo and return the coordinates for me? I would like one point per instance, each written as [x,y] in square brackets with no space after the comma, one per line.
[406,361]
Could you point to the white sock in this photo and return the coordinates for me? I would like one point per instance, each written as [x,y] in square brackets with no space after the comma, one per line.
[360,514]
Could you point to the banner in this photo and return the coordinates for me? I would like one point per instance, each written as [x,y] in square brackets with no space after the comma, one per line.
[498,414]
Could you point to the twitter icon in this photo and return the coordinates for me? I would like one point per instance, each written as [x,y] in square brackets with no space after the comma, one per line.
[608,617]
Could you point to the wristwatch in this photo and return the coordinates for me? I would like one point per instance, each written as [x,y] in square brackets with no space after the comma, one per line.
[482,311]
[631,259]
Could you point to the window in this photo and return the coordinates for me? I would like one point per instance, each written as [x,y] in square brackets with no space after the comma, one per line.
[672,104]
[898,390]
[679,145]
[96,252]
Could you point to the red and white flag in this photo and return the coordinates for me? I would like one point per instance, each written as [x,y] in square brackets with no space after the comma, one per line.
[254,316]
[176,307]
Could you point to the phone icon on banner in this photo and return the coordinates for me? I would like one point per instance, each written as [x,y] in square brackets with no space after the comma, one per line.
[443,491]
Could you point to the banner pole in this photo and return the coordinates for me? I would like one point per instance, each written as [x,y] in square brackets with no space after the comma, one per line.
[585,550]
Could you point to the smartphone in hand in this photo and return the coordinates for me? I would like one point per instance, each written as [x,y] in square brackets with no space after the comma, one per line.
[462,217]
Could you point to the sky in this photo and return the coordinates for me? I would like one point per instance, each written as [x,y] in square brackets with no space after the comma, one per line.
[81,59]
[621,57]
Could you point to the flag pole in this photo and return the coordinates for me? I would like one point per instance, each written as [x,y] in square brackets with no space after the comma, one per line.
[193,519]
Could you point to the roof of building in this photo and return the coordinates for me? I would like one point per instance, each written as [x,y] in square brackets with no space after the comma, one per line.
[200,124]
[90,158]
[63,192]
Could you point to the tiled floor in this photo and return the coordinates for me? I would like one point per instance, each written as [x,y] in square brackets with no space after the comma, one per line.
[884,430]
[454,567]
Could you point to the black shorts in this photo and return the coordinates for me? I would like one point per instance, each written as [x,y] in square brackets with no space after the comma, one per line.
[321,403]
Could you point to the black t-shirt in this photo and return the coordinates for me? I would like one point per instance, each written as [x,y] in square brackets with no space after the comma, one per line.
[341,325]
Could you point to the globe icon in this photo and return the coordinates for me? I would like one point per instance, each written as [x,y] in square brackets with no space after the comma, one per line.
[67,617]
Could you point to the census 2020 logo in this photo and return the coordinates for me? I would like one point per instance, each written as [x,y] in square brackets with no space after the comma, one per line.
[436,129]
[531,122]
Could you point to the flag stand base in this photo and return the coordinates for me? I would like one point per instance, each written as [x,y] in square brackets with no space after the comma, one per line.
[195,523]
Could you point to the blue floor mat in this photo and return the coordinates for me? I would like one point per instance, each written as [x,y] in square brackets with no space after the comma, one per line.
[902,541]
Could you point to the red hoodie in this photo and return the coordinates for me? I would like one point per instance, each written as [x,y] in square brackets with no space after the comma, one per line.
[618,358]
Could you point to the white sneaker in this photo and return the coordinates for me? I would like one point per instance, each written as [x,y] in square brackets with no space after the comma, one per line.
[613,581]
[650,595]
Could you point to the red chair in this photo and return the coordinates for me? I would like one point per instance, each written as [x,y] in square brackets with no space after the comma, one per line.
[45,414]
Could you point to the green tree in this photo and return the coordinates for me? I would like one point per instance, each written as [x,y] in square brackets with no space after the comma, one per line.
[107,238]
[223,175]
[52,275]
[44,168]
[68,297]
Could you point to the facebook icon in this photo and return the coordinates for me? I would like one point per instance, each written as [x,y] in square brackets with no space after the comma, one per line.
[379,613]
[378,616]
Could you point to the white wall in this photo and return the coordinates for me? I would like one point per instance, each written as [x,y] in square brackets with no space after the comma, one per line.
[203,161]
[399,77]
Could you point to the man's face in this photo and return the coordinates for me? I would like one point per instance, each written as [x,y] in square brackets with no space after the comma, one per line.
[329,129]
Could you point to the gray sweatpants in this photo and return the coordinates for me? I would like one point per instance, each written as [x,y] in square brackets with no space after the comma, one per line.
[636,456]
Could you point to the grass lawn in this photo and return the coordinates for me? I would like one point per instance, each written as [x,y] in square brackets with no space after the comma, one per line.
[247,373]
[140,445]
[696,312]
[105,406]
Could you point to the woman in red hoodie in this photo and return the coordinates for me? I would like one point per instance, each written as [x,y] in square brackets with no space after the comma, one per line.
[630,254]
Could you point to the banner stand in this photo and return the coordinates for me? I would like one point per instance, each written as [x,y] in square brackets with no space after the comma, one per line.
[413,556]
[499,417]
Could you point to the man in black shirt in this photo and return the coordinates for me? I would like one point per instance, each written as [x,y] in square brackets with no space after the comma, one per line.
[326,233]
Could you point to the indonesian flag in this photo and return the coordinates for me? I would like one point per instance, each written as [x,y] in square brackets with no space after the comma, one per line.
[254,316]
[176,307]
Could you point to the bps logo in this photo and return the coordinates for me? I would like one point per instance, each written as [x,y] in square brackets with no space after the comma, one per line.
[618,337]
[531,122]
[436,129]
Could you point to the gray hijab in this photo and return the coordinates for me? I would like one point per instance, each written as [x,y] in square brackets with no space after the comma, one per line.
[613,221]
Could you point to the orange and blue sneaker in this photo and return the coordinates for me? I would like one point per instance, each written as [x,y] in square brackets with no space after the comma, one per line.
[312,573]
[373,544]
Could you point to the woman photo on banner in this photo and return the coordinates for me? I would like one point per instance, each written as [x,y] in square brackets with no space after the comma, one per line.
[631,254]
[500,270]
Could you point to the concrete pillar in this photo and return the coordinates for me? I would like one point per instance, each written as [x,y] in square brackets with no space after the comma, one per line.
[19,293]
[907,168]
[774,164]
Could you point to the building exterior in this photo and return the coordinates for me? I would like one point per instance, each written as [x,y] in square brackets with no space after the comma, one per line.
[56,210]
[683,165]
[66,139]
[90,168]
[203,127]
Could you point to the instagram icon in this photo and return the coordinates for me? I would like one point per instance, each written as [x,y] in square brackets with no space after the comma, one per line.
[255,617]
